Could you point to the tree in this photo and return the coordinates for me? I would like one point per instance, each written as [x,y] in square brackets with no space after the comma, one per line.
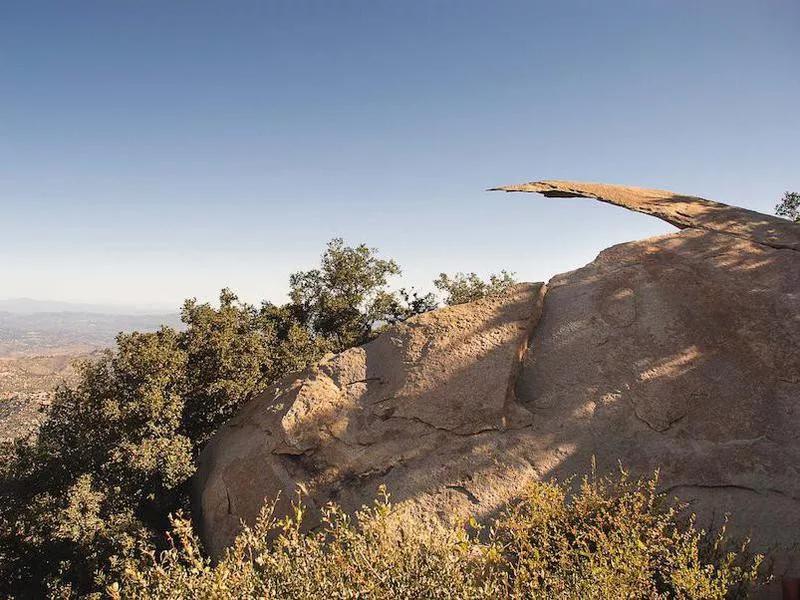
[341,301]
[463,288]
[114,457]
[789,206]
[102,474]
[230,354]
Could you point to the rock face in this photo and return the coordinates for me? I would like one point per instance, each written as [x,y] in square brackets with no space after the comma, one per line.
[680,352]
[407,409]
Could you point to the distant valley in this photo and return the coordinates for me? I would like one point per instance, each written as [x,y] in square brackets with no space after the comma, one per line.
[71,332]
[39,345]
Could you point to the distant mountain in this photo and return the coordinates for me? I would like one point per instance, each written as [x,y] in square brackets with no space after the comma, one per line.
[31,305]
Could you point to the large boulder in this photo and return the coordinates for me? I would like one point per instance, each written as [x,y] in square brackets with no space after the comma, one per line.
[409,408]
[679,353]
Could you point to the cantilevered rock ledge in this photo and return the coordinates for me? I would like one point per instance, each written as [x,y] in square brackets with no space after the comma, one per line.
[678,210]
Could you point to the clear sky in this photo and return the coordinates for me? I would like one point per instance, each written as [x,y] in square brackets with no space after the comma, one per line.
[152,151]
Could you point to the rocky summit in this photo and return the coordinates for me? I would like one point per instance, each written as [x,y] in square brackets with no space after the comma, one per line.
[679,352]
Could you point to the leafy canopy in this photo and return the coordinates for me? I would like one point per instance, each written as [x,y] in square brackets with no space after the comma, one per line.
[342,300]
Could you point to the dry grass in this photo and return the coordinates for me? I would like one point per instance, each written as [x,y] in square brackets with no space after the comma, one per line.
[613,539]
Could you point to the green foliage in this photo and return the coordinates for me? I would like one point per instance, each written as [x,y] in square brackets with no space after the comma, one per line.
[789,206]
[342,300]
[114,456]
[463,288]
[613,539]
[229,355]
[105,467]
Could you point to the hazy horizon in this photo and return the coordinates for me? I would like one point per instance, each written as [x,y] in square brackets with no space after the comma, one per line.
[153,152]
[38,305]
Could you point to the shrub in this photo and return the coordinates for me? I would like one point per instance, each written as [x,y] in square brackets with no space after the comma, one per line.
[612,539]
[462,288]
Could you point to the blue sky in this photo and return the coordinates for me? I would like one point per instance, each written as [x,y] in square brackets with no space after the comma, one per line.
[152,151]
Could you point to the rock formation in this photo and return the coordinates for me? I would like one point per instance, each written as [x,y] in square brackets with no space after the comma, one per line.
[679,352]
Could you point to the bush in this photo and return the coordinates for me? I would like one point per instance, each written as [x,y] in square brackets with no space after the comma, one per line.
[463,288]
[612,539]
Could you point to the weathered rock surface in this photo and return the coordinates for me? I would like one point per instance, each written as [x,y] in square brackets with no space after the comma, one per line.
[680,352]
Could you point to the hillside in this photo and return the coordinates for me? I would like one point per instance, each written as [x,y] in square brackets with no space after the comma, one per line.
[26,389]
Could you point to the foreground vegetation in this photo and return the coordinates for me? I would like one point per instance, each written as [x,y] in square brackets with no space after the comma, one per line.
[612,539]
[113,458]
